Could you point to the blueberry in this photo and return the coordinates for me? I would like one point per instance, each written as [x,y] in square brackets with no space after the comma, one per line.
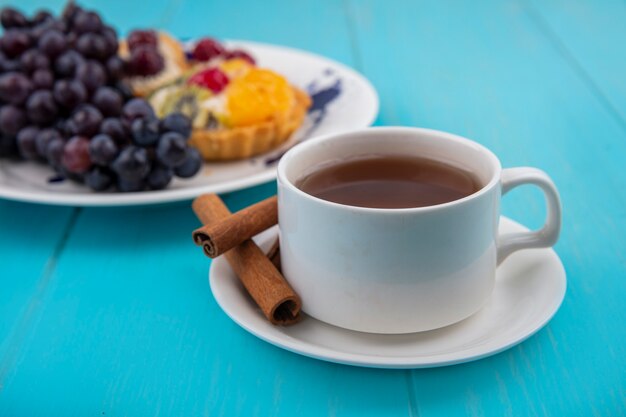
[15,88]
[171,150]
[132,164]
[103,149]
[176,122]
[41,107]
[127,186]
[159,177]
[145,131]
[191,166]
[136,108]
[65,65]
[54,151]
[12,119]
[44,137]
[86,120]
[108,101]
[99,178]
[26,142]
[115,128]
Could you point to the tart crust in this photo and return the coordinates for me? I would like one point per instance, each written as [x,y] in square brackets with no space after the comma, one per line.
[243,142]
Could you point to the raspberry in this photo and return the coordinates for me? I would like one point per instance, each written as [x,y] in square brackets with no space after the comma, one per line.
[142,38]
[145,60]
[238,53]
[212,78]
[206,49]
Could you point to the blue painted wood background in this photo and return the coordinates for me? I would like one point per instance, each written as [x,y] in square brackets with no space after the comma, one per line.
[108,311]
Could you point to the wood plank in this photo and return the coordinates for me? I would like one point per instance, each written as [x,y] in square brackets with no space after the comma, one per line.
[591,36]
[131,327]
[484,70]
[31,238]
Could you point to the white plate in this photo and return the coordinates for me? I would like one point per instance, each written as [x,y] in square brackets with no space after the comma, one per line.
[355,106]
[530,286]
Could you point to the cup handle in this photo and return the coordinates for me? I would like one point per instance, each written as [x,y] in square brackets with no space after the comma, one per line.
[549,233]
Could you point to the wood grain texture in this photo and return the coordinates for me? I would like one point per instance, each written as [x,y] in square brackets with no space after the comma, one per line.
[125,324]
[131,328]
[31,239]
[590,35]
[485,70]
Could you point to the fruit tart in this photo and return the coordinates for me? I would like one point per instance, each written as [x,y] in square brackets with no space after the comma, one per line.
[153,59]
[237,109]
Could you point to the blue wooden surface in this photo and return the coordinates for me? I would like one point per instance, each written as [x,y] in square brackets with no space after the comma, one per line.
[108,311]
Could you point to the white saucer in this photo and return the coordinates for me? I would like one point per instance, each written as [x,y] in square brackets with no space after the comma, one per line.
[530,286]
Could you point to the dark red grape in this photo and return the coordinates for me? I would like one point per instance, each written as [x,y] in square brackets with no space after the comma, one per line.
[14,42]
[176,122]
[65,65]
[206,49]
[43,79]
[41,107]
[86,21]
[26,144]
[114,128]
[145,131]
[71,39]
[191,166]
[11,18]
[54,152]
[14,87]
[76,155]
[92,45]
[132,164]
[91,73]
[8,146]
[108,101]
[69,93]
[62,125]
[52,43]
[139,38]
[42,16]
[115,67]
[70,11]
[74,176]
[136,108]
[12,119]
[43,139]
[110,36]
[86,120]
[239,53]
[145,61]
[37,31]
[103,149]
[32,60]
[8,65]
[124,90]
[99,178]
[159,177]
[171,150]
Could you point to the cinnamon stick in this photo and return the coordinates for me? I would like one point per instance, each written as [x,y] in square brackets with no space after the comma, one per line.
[222,235]
[267,287]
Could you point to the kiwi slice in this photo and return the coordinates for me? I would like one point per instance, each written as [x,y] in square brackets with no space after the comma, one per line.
[184,99]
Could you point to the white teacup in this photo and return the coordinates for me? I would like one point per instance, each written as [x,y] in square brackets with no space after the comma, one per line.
[400,270]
